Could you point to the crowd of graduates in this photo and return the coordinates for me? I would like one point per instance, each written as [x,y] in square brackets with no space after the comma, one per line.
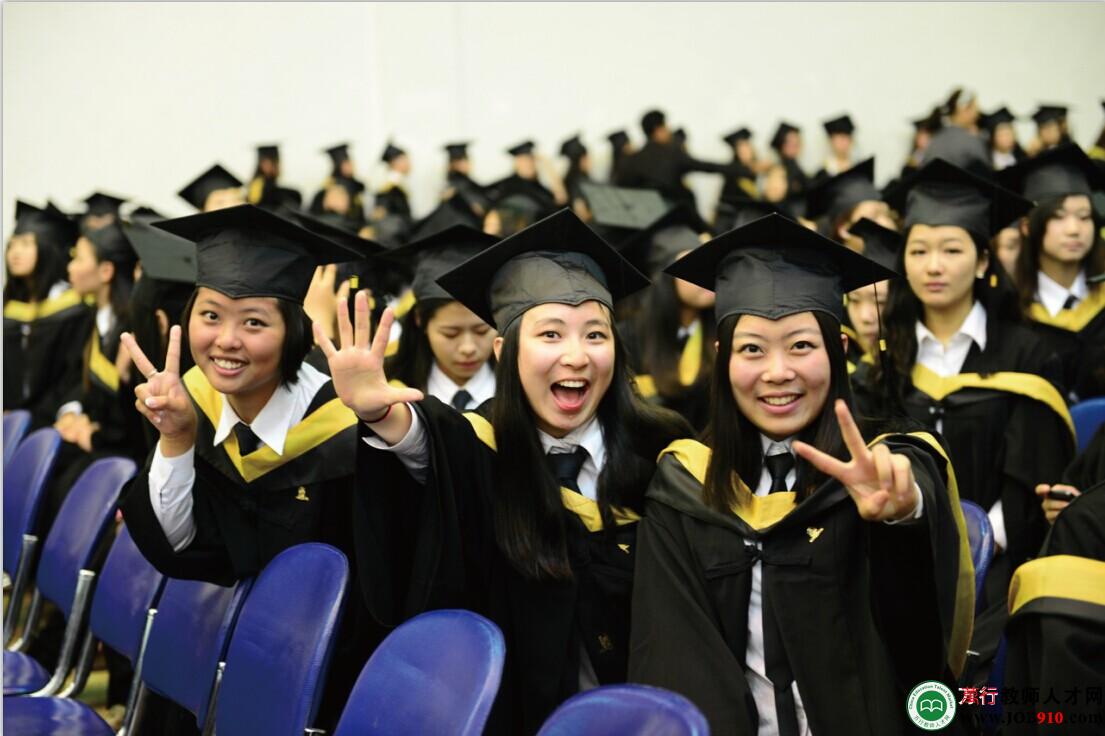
[723,455]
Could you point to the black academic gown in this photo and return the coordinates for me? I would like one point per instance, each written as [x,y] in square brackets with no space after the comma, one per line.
[1056,630]
[531,188]
[865,611]
[267,193]
[473,196]
[423,547]
[797,185]
[661,166]
[692,402]
[43,353]
[1078,337]
[247,510]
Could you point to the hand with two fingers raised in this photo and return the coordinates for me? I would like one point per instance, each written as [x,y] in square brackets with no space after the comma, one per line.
[162,399]
[880,482]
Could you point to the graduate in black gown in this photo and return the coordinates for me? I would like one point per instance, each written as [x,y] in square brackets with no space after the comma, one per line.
[264,187]
[525,510]
[965,366]
[255,453]
[524,182]
[865,306]
[45,321]
[740,179]
[661,164]
[620,148]
[1002,138]
[1061,268]
[460,188]
[444,350]
[392,199]
[1051,128]
[214,189]
[841,134]
[787,143]
[342,193]
[671,336]
[100,209]
[579,168]
[792,576]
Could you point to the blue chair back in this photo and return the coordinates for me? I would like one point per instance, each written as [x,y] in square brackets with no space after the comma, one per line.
[127,589]
[635,709]
[188,639]
[25,480]
[1088,415]
[15,426]
[980,537]
[280,651]
[437,673]
[79,528]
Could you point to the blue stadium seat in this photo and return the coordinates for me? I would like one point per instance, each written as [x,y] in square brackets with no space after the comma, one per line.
[25,481]
[1088,415]
[980,536]
[64,576]
[120,617]
[280,650]
[15,426]
[437,673]
[625,709]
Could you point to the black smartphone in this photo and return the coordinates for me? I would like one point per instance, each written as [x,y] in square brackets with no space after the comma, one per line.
[1060,495]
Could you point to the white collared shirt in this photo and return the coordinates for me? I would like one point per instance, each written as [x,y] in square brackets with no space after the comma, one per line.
[59,288]
[481,386]
[1002,160]
[171,478]
[589,437]
[1054,295]
[689,330]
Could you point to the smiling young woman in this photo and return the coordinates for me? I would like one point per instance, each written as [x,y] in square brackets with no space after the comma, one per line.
[771,582]
[524,510]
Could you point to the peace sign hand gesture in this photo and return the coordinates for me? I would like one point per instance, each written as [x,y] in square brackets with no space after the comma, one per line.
[880,482]
[162,399]
[357,369]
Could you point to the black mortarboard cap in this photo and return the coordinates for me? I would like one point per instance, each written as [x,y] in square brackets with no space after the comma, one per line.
[525,148]
[437,253]
[774,267]
[839,193]
[555,260]
[880,244]
[842,124]
[112,245]
[781,134]
[1048,113]
[573,148]
[741,134]
[269,151]
[164,256]
[103,204]
[1056,172]
[338,153]
[657,246]
[212,180]
[246,251]
[343,236]
[391,152]
[744,210]
[618,139]
[997,117]
[961,148]
[941,194]
[457,151]
[50,225]
[444,216]
[621,207]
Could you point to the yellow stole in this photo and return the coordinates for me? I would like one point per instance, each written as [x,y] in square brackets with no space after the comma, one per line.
[690,362]
[316,428]
[30,311]
[1072,320]
[583,507]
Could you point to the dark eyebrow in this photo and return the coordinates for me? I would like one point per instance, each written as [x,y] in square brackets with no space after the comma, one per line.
[553,320]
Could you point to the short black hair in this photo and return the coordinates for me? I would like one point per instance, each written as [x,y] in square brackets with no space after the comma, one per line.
[298,336]
[652,120]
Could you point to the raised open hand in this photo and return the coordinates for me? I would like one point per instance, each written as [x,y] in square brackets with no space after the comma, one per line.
[162,399]
[880,482]
[357,369]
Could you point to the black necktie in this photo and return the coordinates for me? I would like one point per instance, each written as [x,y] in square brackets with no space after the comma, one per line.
[681,339]
[779,466]
[1071,301]
[565,467]
[461,399]
[247,440]
[777,667]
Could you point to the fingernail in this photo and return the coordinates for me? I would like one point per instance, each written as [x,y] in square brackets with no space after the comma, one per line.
[149,401]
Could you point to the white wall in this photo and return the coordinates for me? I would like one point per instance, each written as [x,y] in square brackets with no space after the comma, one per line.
[137,98]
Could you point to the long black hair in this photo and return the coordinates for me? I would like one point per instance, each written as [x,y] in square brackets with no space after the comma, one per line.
[656,325]
[995,291]
[49,269]
[528,512]
[1028,261]
[736,450]
[298,336]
